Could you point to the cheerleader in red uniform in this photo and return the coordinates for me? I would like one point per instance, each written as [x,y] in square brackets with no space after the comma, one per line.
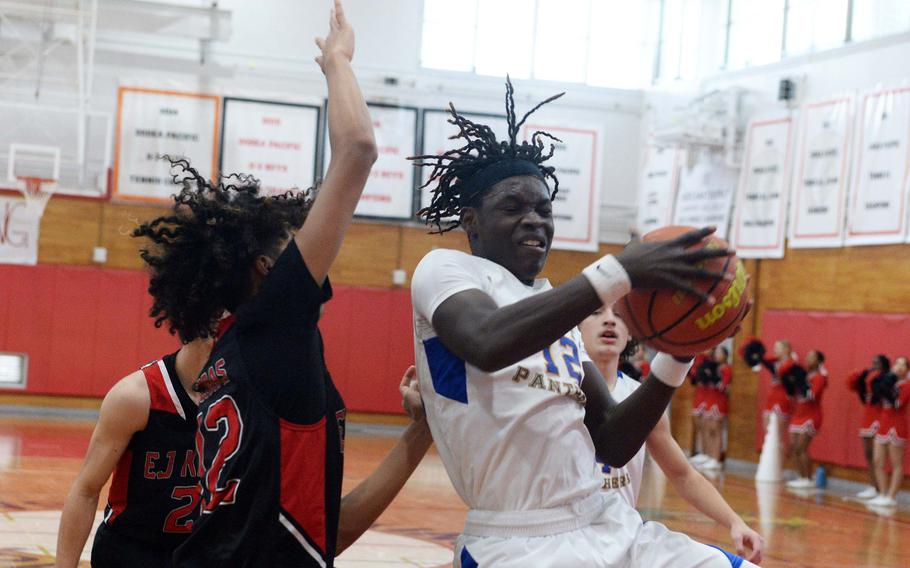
[716,386]
[861,383]
[699,407]
[808,387]
[778,401]
[893,389]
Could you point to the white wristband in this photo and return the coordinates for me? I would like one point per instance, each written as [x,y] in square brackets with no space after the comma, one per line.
[609,279]
[669,371]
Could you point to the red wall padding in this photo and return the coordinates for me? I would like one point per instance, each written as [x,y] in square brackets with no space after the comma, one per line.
[848,340]
[84,328]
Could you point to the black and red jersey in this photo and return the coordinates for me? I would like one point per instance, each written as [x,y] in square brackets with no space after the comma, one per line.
[271,429]
[154,494]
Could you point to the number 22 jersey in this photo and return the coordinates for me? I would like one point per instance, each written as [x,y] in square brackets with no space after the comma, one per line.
[270,433]
[513,439]
[154,495]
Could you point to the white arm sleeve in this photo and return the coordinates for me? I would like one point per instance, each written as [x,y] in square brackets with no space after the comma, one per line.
[440,275]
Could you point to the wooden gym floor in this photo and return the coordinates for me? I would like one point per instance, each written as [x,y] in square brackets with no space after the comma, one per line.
[39,458]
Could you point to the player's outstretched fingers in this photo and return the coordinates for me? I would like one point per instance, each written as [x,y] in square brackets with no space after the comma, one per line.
[693,237]
[689,289]
[701,273]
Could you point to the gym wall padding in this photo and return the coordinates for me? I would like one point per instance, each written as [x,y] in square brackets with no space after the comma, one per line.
[85,327]
[848,340]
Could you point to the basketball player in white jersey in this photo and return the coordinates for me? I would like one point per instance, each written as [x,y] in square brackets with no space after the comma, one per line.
[502,369]
[607,342]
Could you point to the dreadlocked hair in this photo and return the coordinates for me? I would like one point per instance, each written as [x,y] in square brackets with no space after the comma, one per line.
[201,253]
[481,149]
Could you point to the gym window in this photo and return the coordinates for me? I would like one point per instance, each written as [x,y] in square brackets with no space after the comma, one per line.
[765,31]
[13,367]
[606,43]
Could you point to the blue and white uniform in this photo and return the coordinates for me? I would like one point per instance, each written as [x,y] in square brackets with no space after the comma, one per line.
[625,480]
[516,448]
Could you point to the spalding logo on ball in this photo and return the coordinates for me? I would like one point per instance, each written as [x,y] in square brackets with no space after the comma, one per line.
[678,323]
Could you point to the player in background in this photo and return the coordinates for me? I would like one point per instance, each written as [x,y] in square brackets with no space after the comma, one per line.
[606,340]
[778,401]
[517,409]
[807,416]
[861,383]
[271,422]
[893,388]
[145,436]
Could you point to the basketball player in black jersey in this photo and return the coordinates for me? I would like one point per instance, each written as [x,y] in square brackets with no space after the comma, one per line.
[271,423]
[145,436]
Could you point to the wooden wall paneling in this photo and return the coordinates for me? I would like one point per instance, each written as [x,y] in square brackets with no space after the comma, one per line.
[117,224]
[69,231]
[368,255]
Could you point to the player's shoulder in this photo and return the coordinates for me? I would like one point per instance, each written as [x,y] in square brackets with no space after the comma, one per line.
[443,256]
[128,401]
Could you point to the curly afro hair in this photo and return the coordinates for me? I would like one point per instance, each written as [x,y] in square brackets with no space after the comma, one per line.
[453,170]
[201,253]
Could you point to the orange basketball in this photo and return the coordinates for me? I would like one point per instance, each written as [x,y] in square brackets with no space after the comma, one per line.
[677,322]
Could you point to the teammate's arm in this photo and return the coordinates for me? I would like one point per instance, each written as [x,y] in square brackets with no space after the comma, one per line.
[353,151]
[474,328]
[124,412]
[698,491]
[363,505]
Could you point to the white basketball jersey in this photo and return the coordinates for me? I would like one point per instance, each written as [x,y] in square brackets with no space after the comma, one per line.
[514,439]
[625,480]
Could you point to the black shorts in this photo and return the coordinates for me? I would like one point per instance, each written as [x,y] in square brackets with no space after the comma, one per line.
[113,550]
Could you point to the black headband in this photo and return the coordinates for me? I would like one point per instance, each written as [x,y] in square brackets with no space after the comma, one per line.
[494,173]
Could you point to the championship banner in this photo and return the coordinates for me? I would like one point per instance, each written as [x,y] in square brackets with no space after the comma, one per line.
[705,194]
[437,133]
[878,202]
[821,174]
[19,229]
[153,123]
[576,209]
[389,193]
[761,201]
[657,188]
[275,142]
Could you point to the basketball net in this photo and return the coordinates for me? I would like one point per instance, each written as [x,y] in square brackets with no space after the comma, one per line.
[35,198]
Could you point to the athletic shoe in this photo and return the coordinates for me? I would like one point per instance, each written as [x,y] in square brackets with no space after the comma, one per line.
[698,459]
[882,501]
[867,493]
[710,464]
[800,483]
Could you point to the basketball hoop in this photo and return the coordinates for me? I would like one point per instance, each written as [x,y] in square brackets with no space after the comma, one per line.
[36,198]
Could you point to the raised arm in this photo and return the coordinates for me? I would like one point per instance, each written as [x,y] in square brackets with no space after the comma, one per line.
[124,412]
[353,151]
[474,328]
[698,491]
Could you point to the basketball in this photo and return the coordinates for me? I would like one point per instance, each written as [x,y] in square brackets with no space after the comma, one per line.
[677,322]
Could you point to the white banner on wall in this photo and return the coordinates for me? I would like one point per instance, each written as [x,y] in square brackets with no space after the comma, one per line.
[19,229]
[761,201]
[657,188]
[705,194]
[576,209]
[878,200]
[276,142]
[389,193]
[437,133]
[152,123]
[821,174]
